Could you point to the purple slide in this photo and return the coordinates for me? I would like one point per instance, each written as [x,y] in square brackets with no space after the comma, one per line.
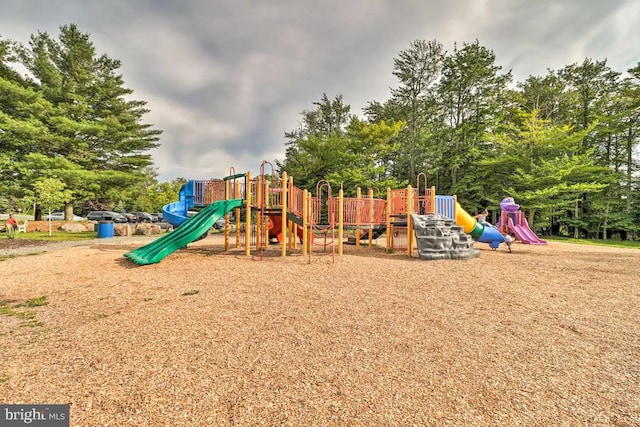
[524,233]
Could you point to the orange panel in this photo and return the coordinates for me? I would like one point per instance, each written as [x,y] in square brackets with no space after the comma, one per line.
[275,228]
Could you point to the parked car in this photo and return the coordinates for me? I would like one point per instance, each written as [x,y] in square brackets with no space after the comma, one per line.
[131,217]
[59,216]
[106,216]
[158,216]
[144,217]
[219,224]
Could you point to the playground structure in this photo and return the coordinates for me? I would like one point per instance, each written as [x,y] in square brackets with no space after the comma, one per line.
[270,207]
[512,221]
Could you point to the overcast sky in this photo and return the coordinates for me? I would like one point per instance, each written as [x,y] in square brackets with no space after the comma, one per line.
[225,79]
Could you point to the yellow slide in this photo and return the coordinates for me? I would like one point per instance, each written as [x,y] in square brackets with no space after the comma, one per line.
[483,233]
[465,220]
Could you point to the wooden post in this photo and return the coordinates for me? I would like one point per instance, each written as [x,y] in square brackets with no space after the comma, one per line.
[236,193]
[285,235]
[358,197]
[305,223]
[370,218]
[388,232]
[247,191]
[409,224]
[260,204]
[433,199]
[292,225]
[340,219]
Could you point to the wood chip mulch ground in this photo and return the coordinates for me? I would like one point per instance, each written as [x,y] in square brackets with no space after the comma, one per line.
[544,336]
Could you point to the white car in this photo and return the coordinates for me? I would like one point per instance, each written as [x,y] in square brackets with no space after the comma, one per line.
[59,216]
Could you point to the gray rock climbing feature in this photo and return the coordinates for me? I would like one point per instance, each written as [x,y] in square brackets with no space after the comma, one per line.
[439,237]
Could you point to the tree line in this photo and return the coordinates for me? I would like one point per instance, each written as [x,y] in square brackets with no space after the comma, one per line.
[70,117]
[563,145]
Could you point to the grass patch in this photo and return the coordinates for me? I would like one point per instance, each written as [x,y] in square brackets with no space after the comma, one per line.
[31,324]
[58,236]
[5,310]
[596,242]
[6,257]
[17,310]
[35,302]
[193,292]
[25,314]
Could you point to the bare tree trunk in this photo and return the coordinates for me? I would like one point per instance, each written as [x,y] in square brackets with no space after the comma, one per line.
[629,149]
[68,211]
[576,213]
[531,216]
[605,222]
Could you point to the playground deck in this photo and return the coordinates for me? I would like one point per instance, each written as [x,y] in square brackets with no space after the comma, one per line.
[543,336]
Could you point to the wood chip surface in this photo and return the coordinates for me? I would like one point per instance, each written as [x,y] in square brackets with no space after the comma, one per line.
[544,336]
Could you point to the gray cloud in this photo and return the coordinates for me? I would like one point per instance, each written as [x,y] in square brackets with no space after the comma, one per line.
[225,80]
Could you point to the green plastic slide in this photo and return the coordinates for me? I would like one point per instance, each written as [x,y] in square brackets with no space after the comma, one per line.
[190,231]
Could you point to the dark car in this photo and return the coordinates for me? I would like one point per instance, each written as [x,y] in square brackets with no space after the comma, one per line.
[158,216]
[144,217]
[106,216]
[131,217]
